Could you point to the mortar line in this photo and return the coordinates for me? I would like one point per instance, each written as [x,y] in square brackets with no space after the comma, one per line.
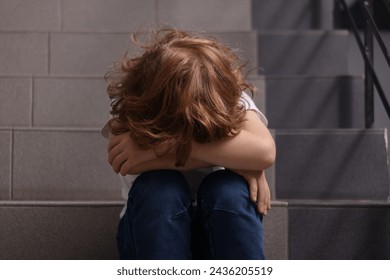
[60,13]
[32,101]
[11,191]
[48,53]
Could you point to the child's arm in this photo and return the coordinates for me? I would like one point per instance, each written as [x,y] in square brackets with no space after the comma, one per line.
[234,152]
[252,148]
[126,158]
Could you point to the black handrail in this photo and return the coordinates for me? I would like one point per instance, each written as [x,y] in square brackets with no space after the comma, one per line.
[387,4]
[367,52]
[372,25]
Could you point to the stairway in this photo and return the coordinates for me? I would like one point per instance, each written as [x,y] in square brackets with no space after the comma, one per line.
[59,199]
[330,171]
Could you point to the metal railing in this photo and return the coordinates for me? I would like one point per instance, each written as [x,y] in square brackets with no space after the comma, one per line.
[367,51]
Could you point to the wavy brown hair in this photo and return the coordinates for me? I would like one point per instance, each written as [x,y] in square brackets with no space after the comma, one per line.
[181,88]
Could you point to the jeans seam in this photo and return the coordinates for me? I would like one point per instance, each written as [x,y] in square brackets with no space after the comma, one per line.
[178,215]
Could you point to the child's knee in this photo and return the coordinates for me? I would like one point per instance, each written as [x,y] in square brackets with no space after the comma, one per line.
[224,188]
[162,185]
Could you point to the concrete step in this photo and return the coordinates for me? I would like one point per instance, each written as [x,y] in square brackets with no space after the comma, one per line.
[332,164]
[292,102]
[80,102]
[309,229]
[351,230]
[71,164]
[286,53]
[50,230]
[292,15]
[55,164]
[59,164]
[58,230]
[53,101]
[125,15]
[315,102]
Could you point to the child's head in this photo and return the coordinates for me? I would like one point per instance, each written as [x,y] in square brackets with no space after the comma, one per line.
[181,88]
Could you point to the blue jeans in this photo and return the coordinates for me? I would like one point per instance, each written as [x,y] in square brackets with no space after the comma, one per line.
[159,222]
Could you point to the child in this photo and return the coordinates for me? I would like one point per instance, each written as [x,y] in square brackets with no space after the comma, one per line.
[179,108]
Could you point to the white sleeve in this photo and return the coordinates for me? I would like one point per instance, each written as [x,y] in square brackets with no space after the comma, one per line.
[249,104]
[105,129]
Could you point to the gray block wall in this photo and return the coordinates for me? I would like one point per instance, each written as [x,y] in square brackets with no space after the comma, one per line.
[53,96]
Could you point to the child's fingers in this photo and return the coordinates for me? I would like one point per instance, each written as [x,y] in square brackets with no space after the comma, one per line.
[114,153]
[253,188]
[113,140]
[124,169]
[118,162]
[262,205]
[263,198]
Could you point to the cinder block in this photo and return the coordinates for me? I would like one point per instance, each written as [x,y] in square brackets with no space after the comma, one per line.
[332,164]
[351,232]
[315,102]
[92,54]
[23,54]
[245,46]
[276,232]
[81,102]
[15,101]
[58,231]
[62,165]
[85,54]
[5,163]
[214,15]
[292,15]
[303,53]
[37,15]
[101,15]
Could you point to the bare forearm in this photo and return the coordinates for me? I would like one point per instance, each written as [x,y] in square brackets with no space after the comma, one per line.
[239,152]
[167,162]
[253,148]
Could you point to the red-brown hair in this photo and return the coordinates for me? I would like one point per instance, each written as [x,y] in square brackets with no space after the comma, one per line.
[182,88]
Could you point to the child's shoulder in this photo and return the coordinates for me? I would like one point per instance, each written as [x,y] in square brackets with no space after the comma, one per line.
[249,104]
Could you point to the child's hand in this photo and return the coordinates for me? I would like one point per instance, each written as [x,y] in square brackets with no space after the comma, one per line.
[124,154]
[258,189]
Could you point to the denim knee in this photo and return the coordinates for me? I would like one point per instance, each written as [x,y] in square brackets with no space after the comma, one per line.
[232,227]
[224,190]
[160,189]
[157,223]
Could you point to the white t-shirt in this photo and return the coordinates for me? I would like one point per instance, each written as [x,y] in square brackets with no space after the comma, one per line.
[194,177]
